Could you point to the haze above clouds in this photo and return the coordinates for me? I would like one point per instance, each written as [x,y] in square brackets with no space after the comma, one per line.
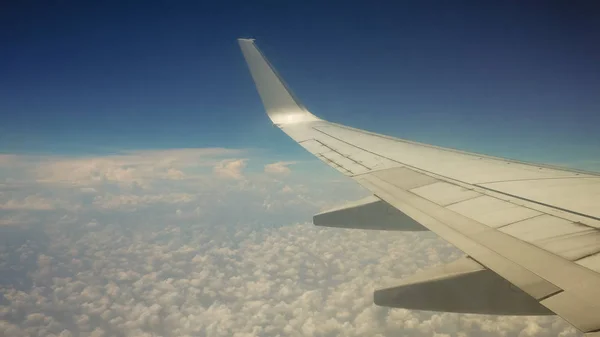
[205,242]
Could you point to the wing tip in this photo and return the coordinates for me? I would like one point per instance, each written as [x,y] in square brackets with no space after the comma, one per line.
[282,106]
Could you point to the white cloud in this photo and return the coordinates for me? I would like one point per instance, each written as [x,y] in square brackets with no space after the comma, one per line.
[90,190]
[243,280]
[35,202]
[190,255]
[31,202]
[156,182]
[125,168]
[110,201]
[230,169]
[280,167]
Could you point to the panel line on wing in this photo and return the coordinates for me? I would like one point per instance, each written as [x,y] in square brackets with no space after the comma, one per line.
[463,182]
[536,271]
[540,203]
[533,179]
[546,166]
[527,280]
[521,220]
[550,295]
[343,155]
[459,201]
[586,256]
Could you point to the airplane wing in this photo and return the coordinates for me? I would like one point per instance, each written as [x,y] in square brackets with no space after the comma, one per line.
[530,232]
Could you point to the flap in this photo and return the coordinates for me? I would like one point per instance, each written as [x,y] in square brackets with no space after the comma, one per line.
[368,213]
[463,286]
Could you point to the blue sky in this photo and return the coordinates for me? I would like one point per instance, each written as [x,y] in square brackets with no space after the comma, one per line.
[143,190]
[512,79]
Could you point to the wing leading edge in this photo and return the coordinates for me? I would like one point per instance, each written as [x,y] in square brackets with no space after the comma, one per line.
[535,227]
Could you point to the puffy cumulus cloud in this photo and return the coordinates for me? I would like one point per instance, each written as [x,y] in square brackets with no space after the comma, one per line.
[150,244]
[110,201]
[243,280]
[161,185]
[280,167]
[30,202]
[125,168]
[230,169]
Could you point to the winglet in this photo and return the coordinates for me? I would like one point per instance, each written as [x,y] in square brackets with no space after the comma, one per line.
[279,101]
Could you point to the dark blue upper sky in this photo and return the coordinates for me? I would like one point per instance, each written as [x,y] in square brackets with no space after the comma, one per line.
[515,78]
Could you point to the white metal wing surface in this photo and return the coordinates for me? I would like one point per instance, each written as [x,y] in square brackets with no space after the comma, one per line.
[531,232]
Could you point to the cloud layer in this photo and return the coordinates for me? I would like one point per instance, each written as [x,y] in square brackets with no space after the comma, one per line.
[156,244]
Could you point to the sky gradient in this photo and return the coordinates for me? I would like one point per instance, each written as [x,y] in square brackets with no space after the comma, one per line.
[511,79]
[144,192]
